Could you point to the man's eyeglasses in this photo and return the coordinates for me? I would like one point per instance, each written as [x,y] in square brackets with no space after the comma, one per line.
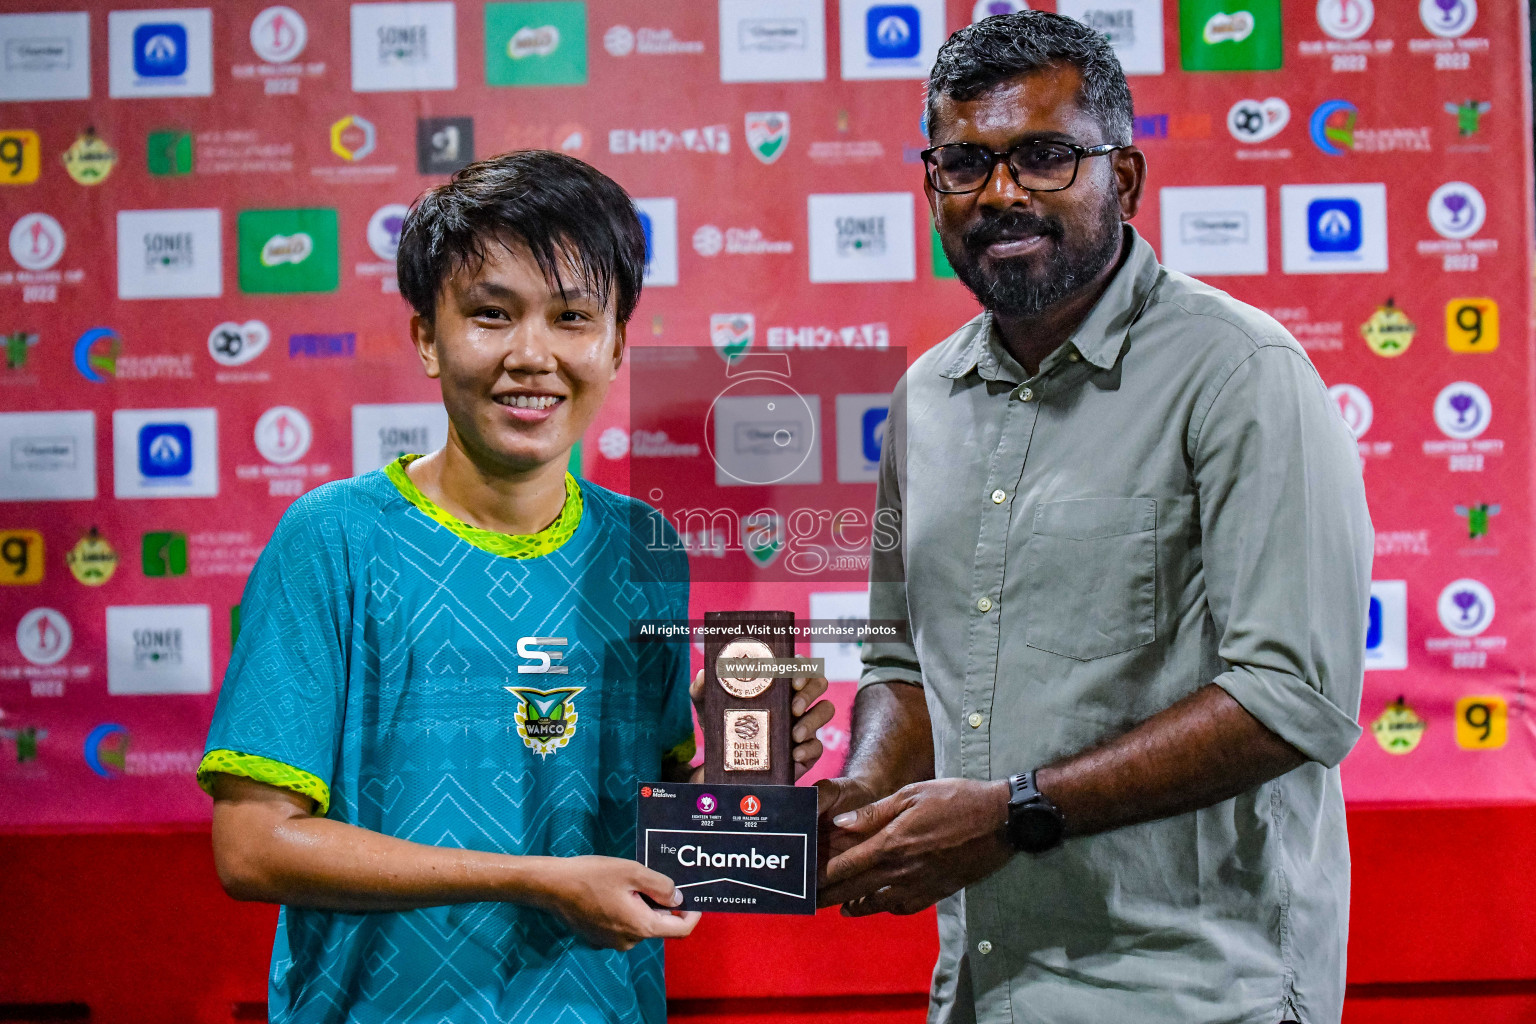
[1036,166]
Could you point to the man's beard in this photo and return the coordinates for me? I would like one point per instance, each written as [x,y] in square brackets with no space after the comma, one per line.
[1010,287]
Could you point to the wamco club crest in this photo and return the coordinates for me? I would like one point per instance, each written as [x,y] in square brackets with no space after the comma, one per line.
[546,719]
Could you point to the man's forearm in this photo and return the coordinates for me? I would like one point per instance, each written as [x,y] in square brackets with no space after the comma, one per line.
[1202,750]
[892,742]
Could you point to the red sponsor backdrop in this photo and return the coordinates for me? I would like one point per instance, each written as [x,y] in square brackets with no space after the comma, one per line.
[1383,122]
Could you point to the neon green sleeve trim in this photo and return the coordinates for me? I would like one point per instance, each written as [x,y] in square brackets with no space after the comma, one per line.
[264,769]
[683,753]
[506,545]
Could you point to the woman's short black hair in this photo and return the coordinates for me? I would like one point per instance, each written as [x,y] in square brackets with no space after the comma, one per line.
[564,210]
[1004,46]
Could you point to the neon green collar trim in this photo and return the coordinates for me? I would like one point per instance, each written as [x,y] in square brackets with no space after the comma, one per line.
[506,545]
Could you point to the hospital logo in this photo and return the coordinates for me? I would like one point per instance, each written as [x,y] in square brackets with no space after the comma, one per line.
[546,719]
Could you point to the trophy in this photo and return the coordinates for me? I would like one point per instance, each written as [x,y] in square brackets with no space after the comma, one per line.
[743,840]
[746,719]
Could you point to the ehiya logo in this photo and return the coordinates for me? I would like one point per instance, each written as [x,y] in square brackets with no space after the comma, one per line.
[533,42]
[280,249]
[1228,28]
[546,719]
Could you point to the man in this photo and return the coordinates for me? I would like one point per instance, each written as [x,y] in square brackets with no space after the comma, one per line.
[428,742]
[1135,562]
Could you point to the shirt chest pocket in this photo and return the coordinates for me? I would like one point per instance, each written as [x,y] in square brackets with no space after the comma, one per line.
[1091,577]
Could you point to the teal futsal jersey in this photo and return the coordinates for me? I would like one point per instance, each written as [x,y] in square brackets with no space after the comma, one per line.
[387,666]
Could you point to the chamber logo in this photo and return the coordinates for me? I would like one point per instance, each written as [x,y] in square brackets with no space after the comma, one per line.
[546,719]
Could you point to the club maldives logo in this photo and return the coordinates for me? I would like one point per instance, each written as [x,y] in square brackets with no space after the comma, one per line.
[731,334]
[546,719]
[767,134]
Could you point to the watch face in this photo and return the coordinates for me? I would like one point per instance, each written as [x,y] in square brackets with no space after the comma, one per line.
[1034,829]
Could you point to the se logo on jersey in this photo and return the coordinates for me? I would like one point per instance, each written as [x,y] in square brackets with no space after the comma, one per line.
[546,719]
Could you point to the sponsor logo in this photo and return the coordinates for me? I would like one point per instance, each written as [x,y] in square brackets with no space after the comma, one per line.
[1215,231]
[773,40]
[1457,210]
[546,719]
[876,336]
[1333,228]
[21,557]
[1388,332]
[658,219]
[709,240]
[995,8]
[316,345]
[619,41]
[20,156]
[613,443]
[538,43]
[861,423]
[706,803]
[169,153]
[899,40]
[403,47]
[655,444]
[235,344]
[1465,608]
[750,804]
[43,636]
[383,433]
[1468,115]
[1386,631]
[1258,120]
[36,241]
[384,230]
[1463,410]
[862,237]
[45,57]
[48,456]
[731,334]
[1472,325]
[160,52]
[714,138]
[1448,19]
[1354,407]
[1478,518]
[96,353]
[106,750]
[1133,27]
[1345,19]
[767,134]
[444,144]
[283,435]
[1398,729]
[164,553]
[18,345]
[353,138]
[763,537]
[288,251]
[92,560]
[26,739]
[169,254]
[165,453]
[1482,723]
[1334,131]
[89,159]
[158,649]
[279,35]
[1230,35]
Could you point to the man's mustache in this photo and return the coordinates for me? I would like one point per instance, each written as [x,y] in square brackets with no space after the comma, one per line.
[1010,226]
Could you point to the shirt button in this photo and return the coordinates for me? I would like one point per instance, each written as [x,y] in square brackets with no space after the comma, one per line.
[983,947]
[1027,394]
[975,719]
[998,496]
[1073,357]
[984,605]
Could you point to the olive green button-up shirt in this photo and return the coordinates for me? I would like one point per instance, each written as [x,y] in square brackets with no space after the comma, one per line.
[1171,501]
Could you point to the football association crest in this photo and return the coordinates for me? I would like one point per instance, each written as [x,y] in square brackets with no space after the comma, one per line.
[731,334]
[768,134]
[763,537]
[546,719]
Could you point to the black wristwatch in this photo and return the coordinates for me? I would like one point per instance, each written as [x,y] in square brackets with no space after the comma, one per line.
[1034,823]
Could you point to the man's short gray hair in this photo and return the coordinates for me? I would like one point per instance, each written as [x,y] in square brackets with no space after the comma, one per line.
[1004,46]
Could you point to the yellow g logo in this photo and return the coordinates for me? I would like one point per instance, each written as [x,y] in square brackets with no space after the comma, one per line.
[1482,723]
[1471,325]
